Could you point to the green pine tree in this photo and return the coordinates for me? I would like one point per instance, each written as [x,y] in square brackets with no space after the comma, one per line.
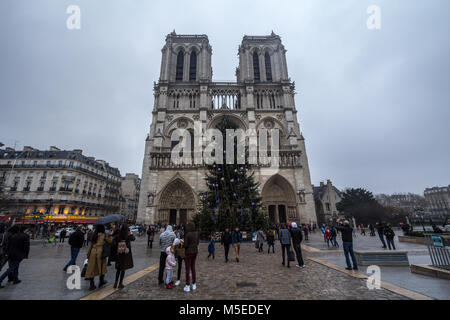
[233,198]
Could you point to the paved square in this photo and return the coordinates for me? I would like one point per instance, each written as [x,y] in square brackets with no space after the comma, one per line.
[256,276]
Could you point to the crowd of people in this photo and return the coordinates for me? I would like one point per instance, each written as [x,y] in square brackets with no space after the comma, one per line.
[176,244]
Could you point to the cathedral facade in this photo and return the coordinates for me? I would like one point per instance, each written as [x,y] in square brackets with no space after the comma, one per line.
[261,97]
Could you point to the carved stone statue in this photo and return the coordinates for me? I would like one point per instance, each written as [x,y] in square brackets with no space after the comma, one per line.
[150,198]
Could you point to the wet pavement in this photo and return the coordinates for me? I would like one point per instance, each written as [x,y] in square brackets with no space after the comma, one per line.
[400,276]
[361,242]
[42,276]
[256,276]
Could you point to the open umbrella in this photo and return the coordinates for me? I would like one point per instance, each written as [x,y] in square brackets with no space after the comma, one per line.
[110,219]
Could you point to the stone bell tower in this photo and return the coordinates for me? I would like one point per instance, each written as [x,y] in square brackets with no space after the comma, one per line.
[261,98]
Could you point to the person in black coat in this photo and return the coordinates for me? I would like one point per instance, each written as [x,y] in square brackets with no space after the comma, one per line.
[123,255]
[17,248]
[225,239]
[76,241]
[347,243]
[297,237]
[62,235]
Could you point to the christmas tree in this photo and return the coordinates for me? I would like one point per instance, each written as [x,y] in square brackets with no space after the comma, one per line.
[232,199]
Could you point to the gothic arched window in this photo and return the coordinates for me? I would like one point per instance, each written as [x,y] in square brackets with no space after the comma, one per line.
[268,67]
[193,67]
[180,63]
[256,67]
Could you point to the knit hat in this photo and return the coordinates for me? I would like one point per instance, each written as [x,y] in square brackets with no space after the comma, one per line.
[176,242]
[294,225]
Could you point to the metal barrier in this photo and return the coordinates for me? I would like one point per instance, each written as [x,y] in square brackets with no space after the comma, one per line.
[439,248]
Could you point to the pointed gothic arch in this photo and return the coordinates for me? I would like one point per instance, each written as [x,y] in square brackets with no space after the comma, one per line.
[279,199]
[180,65]
[256,73]
[176,202]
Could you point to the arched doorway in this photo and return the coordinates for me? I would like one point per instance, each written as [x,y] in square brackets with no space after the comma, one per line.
[176,204]
[278,198]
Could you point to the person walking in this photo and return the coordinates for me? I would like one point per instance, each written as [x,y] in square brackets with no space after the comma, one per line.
[363,230]
[165,240]
[17,249]
[225,240]
[89,236]
[372,230]
[389,233]
[285,240]
[97,265]
[296,235]
[211,247]
[3,253]
[271,240]
[76,240]
[260,239]
[334,234]
[62,235]
[236,239]
[347,243]
[124,256]
[323,233]
[328,236]
[306,231]
[191,242]
[151,236]
[380,230]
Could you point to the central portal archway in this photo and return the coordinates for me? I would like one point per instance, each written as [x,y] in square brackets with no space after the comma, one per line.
[278,199]
[177,203]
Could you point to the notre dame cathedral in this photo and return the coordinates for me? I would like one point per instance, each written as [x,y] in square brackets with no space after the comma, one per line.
[261,97]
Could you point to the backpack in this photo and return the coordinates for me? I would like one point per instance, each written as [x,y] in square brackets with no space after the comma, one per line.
[122,248]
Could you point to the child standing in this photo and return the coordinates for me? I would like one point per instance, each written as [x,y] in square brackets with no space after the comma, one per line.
[211,247]
[171,263]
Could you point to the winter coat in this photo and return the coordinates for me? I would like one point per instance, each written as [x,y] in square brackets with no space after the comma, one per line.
[285,236]
[191,239]
[328,234]
[297,236]
[17,246]
[236,237]
[171,262]
[389,233]
[347,233]
[166,239]
[380,229]
[226,238]
[260,236]
[211,247]
[124,261]
[271,237]
[76,239]
[97,265]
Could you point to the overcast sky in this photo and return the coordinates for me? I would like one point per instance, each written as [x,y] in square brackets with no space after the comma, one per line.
[374,105]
